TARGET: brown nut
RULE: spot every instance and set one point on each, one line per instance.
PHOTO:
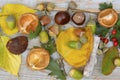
(17, 45)
(45, 20)
(62, 18)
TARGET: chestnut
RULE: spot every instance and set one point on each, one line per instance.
(17, 45)
(78, 18)
(62, 17)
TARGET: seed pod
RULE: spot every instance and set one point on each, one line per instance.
(38, 59)
(43, 37)
(11, 22)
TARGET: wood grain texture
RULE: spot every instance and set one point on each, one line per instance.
(86, 5)
(26, 74)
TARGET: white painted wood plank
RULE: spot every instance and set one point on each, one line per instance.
(27, 74)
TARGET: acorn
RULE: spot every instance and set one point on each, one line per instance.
(76, 74)
(43, 37)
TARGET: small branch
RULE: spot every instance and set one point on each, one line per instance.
(78, 9)
(88, 10)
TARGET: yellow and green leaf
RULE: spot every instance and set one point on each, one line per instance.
(8, 61)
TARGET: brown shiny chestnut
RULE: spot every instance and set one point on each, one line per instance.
(62, 17)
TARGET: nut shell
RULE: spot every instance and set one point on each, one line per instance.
(38, 58)
(27, 23)
(108, 18)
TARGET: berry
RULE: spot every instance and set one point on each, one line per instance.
(105, 40)
(115, 43)
(101, 37)
(114, 32)
(114, 39)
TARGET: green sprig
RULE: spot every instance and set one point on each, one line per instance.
(105, 5)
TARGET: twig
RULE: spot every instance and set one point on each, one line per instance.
(78, 9)
(88, 10)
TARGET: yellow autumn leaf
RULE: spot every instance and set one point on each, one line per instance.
(12, 9)
(75, 57)
(8, 61)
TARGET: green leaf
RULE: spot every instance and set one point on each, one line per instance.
(53, 65)
(118, 22)
(8, 61)
(107, 62)
(55, 70)
(36, 33)
(105, 5)
(100, 30)
(50, 46)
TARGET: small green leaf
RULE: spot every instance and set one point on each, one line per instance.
(105, 5)
(50, 46)
(36, 33)
(118, 22)
(55, 70)
(100, 30)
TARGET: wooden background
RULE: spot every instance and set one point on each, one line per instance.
(27, 74)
